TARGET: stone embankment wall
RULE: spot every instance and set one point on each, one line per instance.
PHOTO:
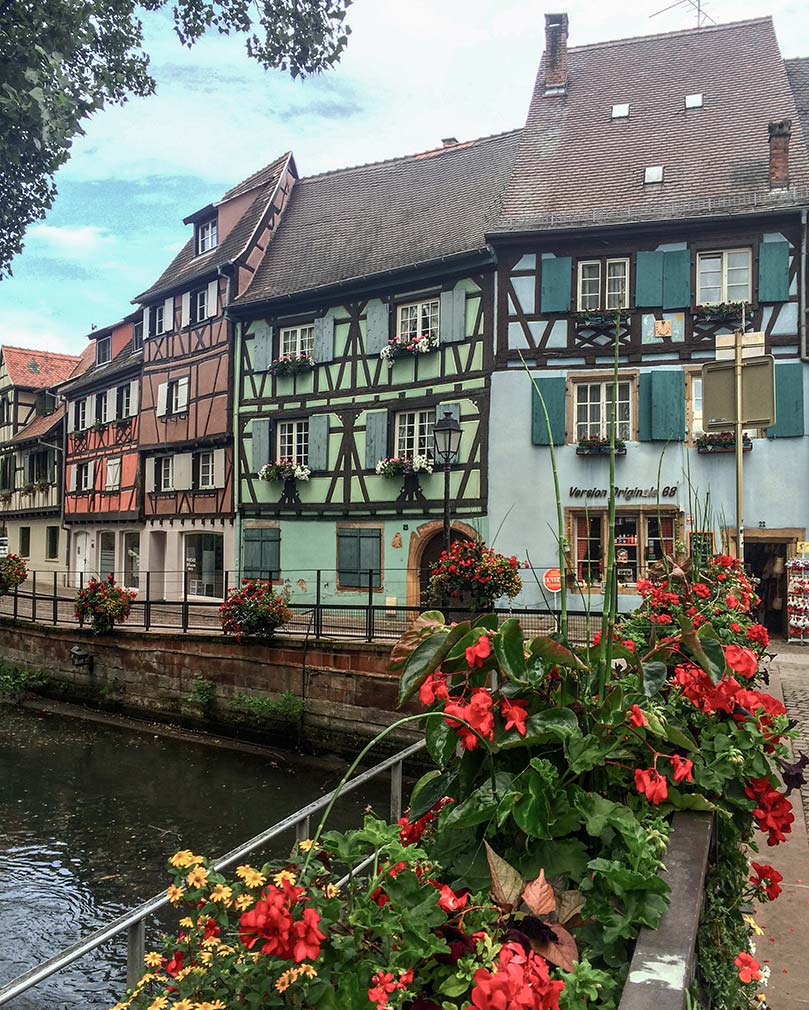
(348, 695)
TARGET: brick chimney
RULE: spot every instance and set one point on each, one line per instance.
(449, 141)
(779, 153)
(555, 53)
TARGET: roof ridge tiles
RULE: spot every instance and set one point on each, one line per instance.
(34, 350)
(671, 34)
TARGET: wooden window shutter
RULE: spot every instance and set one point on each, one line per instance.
(145, 321)
(773, 272)
(376, 437)
(370, 543)
(645, 407)
(376, 327)
(318, 454)
(789, 409)
(91, 472)
(261, 552)
(668, 405)
(70, 416)
(133, 398)
(262, 346)
(151, 475)
(162, 395)
(71, 477)
(556, 284)
(182, 393)
(553, 390)
(649, 279)
(323, 350)
(348, 556)
(676, 279)
(185, 309)
(452, 323)
(219, 468)
(183, 463)
(211, 299)
(168, 315)
(260, 430)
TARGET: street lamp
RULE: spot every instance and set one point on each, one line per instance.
(446, 443)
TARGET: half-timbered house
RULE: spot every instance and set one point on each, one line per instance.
(662, 182)
(30, 455)
(102, 486)
(367, 261)
(185, 423)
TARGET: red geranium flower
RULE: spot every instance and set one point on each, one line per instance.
(743, 661)
(766, 879)
(636, 717)
(478, 713)
(700, 589)
(651, 784)
(749, 968)
(682, 768)
(451, 901)
(758, 634)
(477, 653)
(515, 714)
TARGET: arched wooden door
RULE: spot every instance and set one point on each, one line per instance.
(429, 555)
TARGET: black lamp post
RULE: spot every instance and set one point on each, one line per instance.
(446, 443)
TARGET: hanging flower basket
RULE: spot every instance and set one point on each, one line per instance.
(399, 466)
(13, 572)
(284, 469)
(721, 441)
(595, 445)
(471, 571)
(102, 602)
(292, 364)
(254, 610)
(401, 347)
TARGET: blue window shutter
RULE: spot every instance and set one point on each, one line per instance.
(668, 405)
(453, 316)
(556, 284)
(553, 390)
(773, 272)
(676, 279)
(649, 279)
(261, 558)
(348, 557)
(262, 346)
(376, 327)
(789, 409)
(376, 437)
(370, 556)
(645, 407)
(358, 552)
(261, 443)
(324, 340)
(318, 456)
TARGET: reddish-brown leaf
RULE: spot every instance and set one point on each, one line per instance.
(562, 952)
(568, 905)
(506, 881)
(539, 896)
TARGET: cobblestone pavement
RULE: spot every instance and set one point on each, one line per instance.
(793, 667)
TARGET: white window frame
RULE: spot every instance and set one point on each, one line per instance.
(173, 400)
(137, 335)
(206, 460)
(636, 551)
(159, 322)
(413, 433)
(112, 474)
(103, 342)
(297, 339)
(623, 428)
(292, 441)
(103, 400)
(427, 311)
(723, 254)
(603, 299)
(80, 414)
(199, 305)
(207, 236)
(83, 476)
(165, 474)
(125, 400)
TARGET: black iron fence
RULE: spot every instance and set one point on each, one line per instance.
(47, 598)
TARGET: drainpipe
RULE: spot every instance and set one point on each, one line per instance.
(228, 275)
(802, 286)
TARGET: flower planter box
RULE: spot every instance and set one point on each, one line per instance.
(747, 446)
(598, 450)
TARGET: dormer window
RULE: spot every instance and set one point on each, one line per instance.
(103, 350)
(207, 236)
(137, 335)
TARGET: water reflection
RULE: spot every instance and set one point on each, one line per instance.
(88, 816)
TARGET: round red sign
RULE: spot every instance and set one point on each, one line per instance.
(552, 580)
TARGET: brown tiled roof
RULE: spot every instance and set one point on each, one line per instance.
(390, 215)
(575, 162)
(186, 267)
(126, 360)
(798, 74)
(37, 369)
(40, 426)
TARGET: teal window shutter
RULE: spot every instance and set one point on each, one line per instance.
(553, 390)
(318, 452)
(261, 553)
(358, 552)
(649, 279)
(556, 284)
(262, 346)
(645, 407)
(323, 349)
(676, 279)
(773, 272)
(260, 430)
(789, 409)
(668, 405)
(376, 327)
(376, 437)
(453, 316)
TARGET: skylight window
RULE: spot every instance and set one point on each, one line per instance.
(694, 101)
(654, 173)
(620, 111)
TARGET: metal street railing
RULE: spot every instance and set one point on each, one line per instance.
(134, 921)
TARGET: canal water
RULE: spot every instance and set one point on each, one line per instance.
(90, 812)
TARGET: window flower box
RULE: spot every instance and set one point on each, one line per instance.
(723, 312)
(29, 489)
(292, 364)
(598, 446)
(402, 466)
(284, 469)
(401, 347)
(601, 317)
(43, 485)
(721, 441)
(5, 497)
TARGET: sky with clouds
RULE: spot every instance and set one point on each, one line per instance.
(415, 71)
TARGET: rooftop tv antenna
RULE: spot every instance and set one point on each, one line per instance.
(696, 6)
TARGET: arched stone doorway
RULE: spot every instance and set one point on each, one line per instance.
(426, 544)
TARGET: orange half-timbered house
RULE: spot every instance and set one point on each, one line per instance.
(186, 407)
(101, 496)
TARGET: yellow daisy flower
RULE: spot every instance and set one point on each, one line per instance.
(159, 1004)
(283, 982)
(153, 959)
(185, 857)
(305, 844)
(250, 876)
(198, 877)
(187, 922)
(184, 1004)
(283, 875)
(308, 970)
(331, 890)
(751, 922)
(245, 901)
(221, 893)
(175, 894)
(216, 1005)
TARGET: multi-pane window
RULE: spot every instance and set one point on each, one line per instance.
(603, 284)
(177, 396)
(414, 433)
(164, 473)
(297, 340)
(80, 415)
(132, 560)
(106, 554)
(724, 276)
(112, 478)
(293, 441)
(156, 319)
(696, 405)
(204, 564)
(589, 548)
(103, 350)
(123, 401)
(593, 404)
(82, 476)
(39, 467)
(51, 543)
(199, 305)
(641, 540)
(137, 335)
(205, 461)
(207, 238)
(101, 408)
(418, 319)
(7, 473)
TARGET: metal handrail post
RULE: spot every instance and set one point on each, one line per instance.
(318, 608)
(184, 620)
(81, 588)
(396, 792)
(55, 605)
(135, 951)
(369, 620)
(302, 829)
(16, 601)
(147, 605)
(34, 596)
